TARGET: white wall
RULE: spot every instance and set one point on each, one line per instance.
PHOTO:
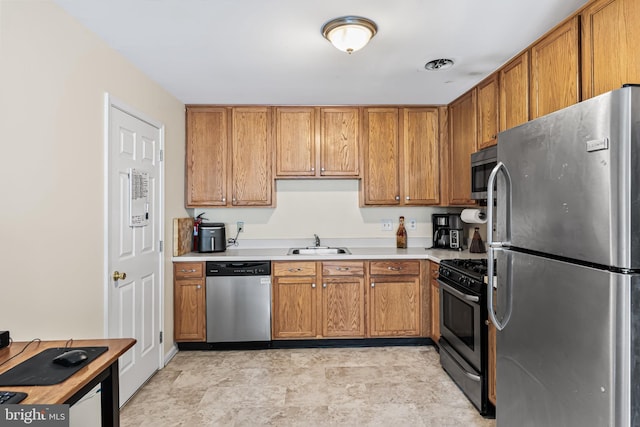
(53, 76)
(329, 208)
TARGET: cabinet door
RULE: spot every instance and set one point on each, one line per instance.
(381, 181)
(555, 78)
(488, 98)
(343, 307)
(295, 141)
(189, 302)
(462, 134)
(251, 157)
(339, 141)
(206, 156)
(514, 92)
(420, 156)
(294, 307)
(610, 40)
(394, 306)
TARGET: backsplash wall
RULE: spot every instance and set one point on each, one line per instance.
(328, 208)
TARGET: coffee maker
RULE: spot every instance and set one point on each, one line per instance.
(448, 231)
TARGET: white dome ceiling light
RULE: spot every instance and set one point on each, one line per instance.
(349, 33)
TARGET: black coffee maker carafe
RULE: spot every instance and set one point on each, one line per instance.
(447, 231)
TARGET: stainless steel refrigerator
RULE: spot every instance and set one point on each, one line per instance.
(567, 288)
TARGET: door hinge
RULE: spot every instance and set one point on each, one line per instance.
(160, 337)
(161, 155)
(161, 246)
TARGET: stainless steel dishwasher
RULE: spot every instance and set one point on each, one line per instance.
(238, 301)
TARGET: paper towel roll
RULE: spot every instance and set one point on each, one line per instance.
(473, 216)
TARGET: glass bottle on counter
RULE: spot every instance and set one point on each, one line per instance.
(401, 235)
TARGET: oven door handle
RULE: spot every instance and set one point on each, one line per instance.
(459, 294)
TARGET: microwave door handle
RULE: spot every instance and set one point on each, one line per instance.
(213, 244)
(497, 246)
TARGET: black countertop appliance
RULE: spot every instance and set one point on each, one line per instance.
(212, 237)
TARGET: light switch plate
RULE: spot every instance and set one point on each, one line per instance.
(387, 224)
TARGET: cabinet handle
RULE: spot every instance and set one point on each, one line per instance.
(408, 198)
(494, 136)
(321, 169)
(313, 285)
(324, 285)
(394, 268)
(343, 268)
(295, 270)
(313, 169)
(486, 322)
(198, 287)
(398, 198)
(193, 270)
(233, 199)
(373, 285)
(224, 199)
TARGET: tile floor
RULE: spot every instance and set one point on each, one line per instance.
(374, 386)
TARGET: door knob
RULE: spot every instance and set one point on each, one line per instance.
(119, 276)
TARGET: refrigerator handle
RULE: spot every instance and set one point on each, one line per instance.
(493, 246)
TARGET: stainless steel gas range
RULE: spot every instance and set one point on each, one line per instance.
(463, 328)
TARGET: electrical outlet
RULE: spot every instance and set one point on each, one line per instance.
(412, 224)
(240, 226)
(387, 225)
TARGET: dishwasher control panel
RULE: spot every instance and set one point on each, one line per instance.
(248, 268)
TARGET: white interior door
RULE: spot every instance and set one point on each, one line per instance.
(134, 235)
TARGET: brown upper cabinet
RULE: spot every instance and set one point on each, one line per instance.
(555, 70)
(514, 92)
(610, 40)
(314, 142)
(207, 156)
(400, 142)
(229, 153)
(488, 99)
(462, 142)
(420, 156)
(381, 157)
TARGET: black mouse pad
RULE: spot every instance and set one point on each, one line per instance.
(40, 369)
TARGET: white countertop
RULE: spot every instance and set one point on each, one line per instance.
(357, 253)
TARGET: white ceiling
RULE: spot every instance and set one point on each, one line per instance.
(272, 51)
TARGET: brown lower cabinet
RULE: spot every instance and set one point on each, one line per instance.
(334, 299)
(189, 302)
(394, 299)
(318, 300)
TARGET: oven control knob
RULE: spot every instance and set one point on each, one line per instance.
(446, 273)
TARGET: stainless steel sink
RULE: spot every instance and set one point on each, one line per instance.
(319, 250)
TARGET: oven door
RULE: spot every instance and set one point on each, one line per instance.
(460, 317)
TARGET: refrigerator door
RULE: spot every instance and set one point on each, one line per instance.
(565, 357)
(575, 181)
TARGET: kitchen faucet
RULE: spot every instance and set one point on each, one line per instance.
(317, 240)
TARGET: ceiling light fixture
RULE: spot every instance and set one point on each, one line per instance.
(349, 33)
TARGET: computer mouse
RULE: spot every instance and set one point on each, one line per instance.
(71, 358)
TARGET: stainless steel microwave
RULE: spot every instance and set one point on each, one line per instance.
(482, 163)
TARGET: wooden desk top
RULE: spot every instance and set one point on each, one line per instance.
(60, 393)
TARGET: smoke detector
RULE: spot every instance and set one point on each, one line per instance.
(438, 64)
